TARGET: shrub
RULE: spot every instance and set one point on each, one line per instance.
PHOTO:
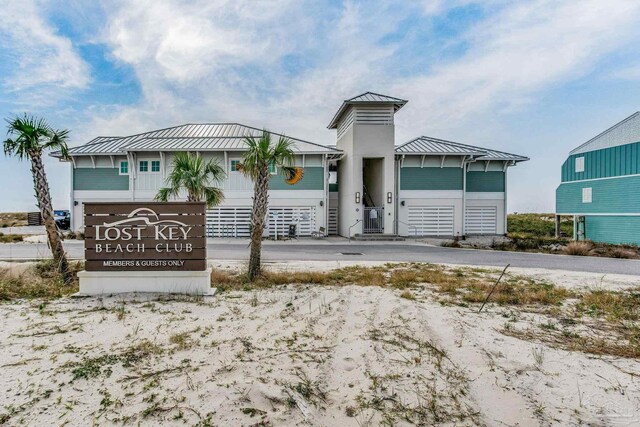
(450, 244)
(623, 253)
(581, 248)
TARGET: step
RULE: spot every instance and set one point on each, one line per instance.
(378, 238)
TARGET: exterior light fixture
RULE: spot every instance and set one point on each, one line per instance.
(357, 197)
(389, 197)
(402, 203)
(321, 203)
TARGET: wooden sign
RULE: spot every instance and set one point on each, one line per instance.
(145, 236)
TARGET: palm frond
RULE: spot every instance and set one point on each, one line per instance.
(32, 135)
(195, 175)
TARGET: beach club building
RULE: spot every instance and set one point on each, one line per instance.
(365, 184)
(600, 185)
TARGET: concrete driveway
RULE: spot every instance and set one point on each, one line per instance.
(336, 249)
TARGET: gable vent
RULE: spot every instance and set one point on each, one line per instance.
(346, 122)
(374, 115)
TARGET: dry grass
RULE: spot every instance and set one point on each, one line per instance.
(517, 291)
(623, 253)
(13, 219)
(598, 322)
(622, 343)
(39, 281)
(11, 238)
(579, 248)
(614, 306)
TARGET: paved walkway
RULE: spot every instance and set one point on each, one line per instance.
(336, 249)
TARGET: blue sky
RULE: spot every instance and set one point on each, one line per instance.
(534, 77)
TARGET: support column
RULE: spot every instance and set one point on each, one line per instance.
(557, 218)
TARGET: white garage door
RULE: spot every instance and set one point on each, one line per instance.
(236, 221)
(481, 220)
(431, 220)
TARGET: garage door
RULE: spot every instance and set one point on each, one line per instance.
(431, 220)
(236, 221)
(481, 220)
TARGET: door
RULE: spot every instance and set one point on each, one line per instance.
(431, 220)
(481, 220)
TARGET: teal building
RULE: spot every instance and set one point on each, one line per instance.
(600, 185)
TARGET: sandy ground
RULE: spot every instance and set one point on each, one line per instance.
(300, 355)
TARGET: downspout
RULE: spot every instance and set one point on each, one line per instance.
(506, 168)
(464, 195)
(465, 167)
(325, 168)
(396, 208)
(72, 199)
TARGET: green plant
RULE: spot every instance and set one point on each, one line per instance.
(192, 173)
(30, 137)
(257, 163)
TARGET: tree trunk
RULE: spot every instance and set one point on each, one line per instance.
(260, 205)
(46, 210)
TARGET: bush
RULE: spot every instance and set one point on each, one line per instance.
(450, 244)
(623, 253)
(582, 248)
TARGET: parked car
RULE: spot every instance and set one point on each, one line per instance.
(63, 219)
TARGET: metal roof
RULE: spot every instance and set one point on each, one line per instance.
(366, 98)
(625, 132)
(209, 136)
(433, 146)
(376, 97)
(236, 143)
(103, 145)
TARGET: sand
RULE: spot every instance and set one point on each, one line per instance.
(300, 355)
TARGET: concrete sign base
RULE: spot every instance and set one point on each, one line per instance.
(170, 282)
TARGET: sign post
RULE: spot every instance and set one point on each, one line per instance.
(145, 247)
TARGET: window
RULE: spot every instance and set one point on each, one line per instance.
(272, 168)
(124, 167)
(234, 165)
(587, 195)
(143, 166)
(579, 164)
(155, 166)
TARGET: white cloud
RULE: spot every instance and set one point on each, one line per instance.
(186, 41)
(41, 58)
(213, 61)
(524, 49)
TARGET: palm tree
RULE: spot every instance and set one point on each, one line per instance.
(260, 156)
(28, 138)
(195, 175)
